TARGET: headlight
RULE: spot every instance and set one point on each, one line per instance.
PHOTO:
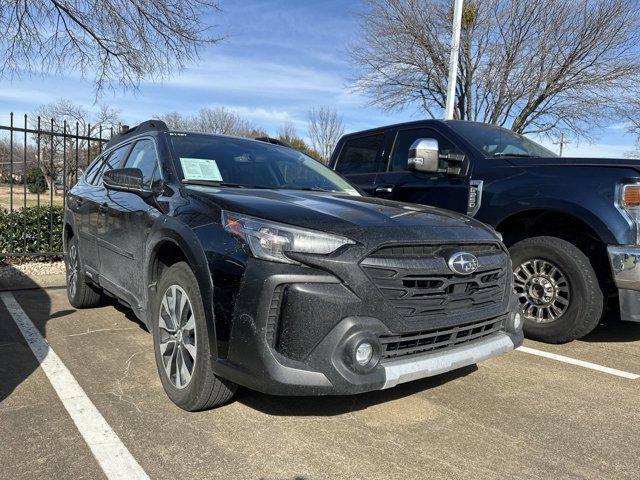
(272, 241)
(629, 202)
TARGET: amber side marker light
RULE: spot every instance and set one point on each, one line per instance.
(631, 196)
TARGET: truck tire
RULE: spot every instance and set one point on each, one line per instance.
(80, 293)
(181, 343)
(557, 289)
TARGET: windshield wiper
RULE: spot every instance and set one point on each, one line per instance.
(214, 183)
(519, 155)
(305, 189)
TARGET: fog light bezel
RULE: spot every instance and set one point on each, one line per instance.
(352, 347)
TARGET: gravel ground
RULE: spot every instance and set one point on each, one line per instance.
(32, 269)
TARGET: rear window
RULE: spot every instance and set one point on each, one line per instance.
(360, 155)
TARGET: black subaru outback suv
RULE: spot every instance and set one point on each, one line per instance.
(253, 264)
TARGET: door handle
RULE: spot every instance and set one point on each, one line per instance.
(383, 190)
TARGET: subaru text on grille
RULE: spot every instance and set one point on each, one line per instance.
(253, 264)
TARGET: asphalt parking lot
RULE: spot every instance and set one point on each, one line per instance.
(517, 416)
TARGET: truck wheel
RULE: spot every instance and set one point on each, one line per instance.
(557, 289)
(79, 292)
(181, 343)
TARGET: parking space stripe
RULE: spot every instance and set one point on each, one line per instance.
(114, 458)
(580, 363)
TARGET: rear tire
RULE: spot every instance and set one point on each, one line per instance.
(557, 288)
(181, 343)
(81, 294)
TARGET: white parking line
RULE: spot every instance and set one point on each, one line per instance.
(112, 456)
(580, 363)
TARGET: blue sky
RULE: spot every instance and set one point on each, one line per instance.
(279, 59)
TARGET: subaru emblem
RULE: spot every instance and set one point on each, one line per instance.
(463, 263)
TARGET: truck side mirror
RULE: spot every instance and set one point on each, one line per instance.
(424, 155)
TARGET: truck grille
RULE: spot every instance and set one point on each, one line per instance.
(418, 283)
(394, 346)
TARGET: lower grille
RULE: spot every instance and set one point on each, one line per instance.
(274, 315)
(394, 346)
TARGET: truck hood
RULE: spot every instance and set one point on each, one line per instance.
(576, 162)
(363, 219)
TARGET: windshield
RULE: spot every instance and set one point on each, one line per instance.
(236, 162)
(496, 141)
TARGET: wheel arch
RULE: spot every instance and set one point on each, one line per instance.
(172, 243)
(554, 223)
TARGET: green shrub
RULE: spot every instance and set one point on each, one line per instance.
(19, 230)
(36, 182)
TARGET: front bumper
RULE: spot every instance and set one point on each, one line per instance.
(325, 321)
(625, 268)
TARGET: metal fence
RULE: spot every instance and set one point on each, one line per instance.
(40, 160)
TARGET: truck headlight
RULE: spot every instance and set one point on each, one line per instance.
(629, 202)
(272, 241)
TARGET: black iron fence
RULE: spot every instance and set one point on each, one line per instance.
(40, 160)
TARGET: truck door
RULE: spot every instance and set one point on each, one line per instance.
(360, 160)
(437, 189)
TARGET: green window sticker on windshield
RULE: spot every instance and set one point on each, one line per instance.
(200, 169)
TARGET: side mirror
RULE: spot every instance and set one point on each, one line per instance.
(424, 156)
(124, 180)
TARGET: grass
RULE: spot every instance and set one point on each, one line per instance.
(18, 198)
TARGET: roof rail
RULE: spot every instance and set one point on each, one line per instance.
(273, 141)
(128, 132)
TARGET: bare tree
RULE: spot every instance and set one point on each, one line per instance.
(536, 66)
(119, 42)
(218, 120)
(65, 117)
(325, 129)
(289, 135)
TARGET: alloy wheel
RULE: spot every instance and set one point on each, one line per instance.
(72, 270)
(542, 290)
(178, 348)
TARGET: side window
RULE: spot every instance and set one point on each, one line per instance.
(143, 156)
(360, 155)
(405, 138)
(113, 160)
(93, 168)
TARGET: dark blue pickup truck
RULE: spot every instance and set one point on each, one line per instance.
(572, 224)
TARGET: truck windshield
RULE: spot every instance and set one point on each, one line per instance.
(203, 159)
(496, 141)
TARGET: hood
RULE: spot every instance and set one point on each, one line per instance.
(362, 219)
(576, 162)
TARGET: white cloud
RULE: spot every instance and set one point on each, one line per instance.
(256, 77)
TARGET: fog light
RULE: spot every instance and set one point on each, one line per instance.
(517, 321)
(364, 352)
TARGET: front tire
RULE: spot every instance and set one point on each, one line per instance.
(181, 343)
(557, 288)
(80, 293)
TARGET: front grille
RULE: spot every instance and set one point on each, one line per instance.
(394, 346)
(420, 251)
(416, 280)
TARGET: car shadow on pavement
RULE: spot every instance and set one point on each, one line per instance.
(17, 361)
(338, 405)
(126, 311)
(612, 329)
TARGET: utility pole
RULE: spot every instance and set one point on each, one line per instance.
(453, 61)
(562, 142)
